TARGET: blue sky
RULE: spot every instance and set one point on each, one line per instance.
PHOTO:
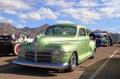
(94, 14)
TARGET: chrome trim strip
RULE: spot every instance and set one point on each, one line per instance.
(42, 65)
(70, 40)
(35, 57)
(31, 50)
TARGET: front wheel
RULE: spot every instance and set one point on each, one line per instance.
(72, 63)
(15, 49)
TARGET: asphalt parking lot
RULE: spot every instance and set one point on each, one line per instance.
(105, 65)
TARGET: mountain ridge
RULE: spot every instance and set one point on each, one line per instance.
(10, 29)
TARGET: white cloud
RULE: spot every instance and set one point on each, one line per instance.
(64, 21)
(20, 26)
(22, 21)
(34, 16)
(111, 3)
(111, 8)
(3, 19)
(48, 13)
(29, 16)
(59, 3)
(9, 21)
(14, 4)
(89, 11)
(87, 3)
(107, 12)
(82, 14)
(86, 11)
(40, 14)
(22, 15)
(10, 12)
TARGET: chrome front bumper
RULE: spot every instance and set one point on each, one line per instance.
(42, 65)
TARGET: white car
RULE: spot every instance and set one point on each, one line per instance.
(28, 39)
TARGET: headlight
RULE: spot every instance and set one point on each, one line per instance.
(58, 51)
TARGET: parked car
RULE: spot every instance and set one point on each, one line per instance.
(63, 46)
(107, 39)
(116, 38)
(119, 38)
(97, 38)
(7, 46)
(28, 40)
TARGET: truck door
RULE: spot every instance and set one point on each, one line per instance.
(83, 43)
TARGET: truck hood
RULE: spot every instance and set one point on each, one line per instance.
(54, 39)
(50, 42)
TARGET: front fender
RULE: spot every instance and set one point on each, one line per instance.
(66, 51)
(69, 48)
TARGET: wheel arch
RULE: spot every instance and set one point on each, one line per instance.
(92, 46)
(15, 48)
(76, 56)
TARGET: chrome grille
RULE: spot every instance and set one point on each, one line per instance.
(39, 56)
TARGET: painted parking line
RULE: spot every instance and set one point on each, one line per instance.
(102, 66)
(7, 67)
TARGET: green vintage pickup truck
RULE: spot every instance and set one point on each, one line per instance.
(63, 46)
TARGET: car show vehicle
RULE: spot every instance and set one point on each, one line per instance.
(102, 39)
(119, 38)
(107, 39)
(116, 38)
(63, 46)
(7, 46)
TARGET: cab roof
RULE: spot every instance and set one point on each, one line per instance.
(67, 24)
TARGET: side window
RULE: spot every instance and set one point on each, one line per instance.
(49, 31)
(82, 32)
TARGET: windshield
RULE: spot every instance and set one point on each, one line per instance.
(61, 30)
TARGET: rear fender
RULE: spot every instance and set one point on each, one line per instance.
(92, 45)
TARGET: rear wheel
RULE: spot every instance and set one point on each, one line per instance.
(15, 49)
(72, 63)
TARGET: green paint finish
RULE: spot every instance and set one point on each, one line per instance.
(59, 42)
